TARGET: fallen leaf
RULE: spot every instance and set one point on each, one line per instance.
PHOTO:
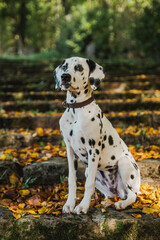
(136, 215)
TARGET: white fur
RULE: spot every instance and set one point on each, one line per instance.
(91, 137)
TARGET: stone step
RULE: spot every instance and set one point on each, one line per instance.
(19, 140)
(106, 105)
(44, 85)
(20, 77)
(52, 95)
(47, 121)
(94, 226)
(48, 172)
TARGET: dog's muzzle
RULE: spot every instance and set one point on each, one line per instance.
(66, 79)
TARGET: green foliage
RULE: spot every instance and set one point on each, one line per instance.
(62, 28)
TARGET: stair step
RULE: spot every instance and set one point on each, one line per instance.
(106, 105)
(95, 226)
(33, 121)
(19, 140)
(48, 172)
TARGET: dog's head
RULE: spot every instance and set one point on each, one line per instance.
(77, 74)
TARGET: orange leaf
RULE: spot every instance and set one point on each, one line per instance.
(13, 179)
(5, 202)
(136, 215)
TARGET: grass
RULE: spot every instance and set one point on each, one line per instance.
(50, 55)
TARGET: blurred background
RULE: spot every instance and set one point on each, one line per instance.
(117, 30)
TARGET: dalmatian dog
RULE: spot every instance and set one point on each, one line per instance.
(90, 136)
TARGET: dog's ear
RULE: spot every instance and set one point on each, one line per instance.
(96, 74)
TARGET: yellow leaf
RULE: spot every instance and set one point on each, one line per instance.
(21, 205)
(136, 215)
(34, 155)
(13, 179)
(43, 210)
(104, 210)
(31, 211)
(57, 213)
(39, 131)
(24, 192)
(92, 203)
(9, 150)
(17, 215)
(148, 210)
(36, 216)
(3, 157)
(98, 206)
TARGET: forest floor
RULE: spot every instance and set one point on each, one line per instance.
(33, 160)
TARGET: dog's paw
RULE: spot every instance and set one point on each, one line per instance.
(81, 208)
(120, 205)
(68, 207)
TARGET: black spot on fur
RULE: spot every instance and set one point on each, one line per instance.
(86, 91)
(86, 86)
(83, 140)
(99, 165)
(74, 79)
(61, 64)
(105, 137)
(91, 142)
(99, 116)
(92, 119)
(83, 155)
(74, 95)
(91, 65)
(97, 151)
(102, 173)
(71, 133)
(97, 82)
(75, 164)
(113, 157)
(135, 165)
(132, 176)
(99, 143)
(130, 187)
(78, 68)
(91, 80)
(90, 151)
(110, 140)
(103, 146)
(93, 160)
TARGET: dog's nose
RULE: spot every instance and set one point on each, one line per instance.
(66, 77)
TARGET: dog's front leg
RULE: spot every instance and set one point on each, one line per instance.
(89, 186)
(72, 165)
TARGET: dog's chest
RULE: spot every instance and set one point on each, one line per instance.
(73, 134)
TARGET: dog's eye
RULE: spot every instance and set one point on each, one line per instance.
(78, 68)
(64, 67)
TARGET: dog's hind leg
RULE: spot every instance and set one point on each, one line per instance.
(129, 175)
(101, 184)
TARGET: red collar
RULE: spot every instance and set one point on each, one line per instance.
(79, 104)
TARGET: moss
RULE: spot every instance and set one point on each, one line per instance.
(121, 231)
(66, 231)
(27, 231)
